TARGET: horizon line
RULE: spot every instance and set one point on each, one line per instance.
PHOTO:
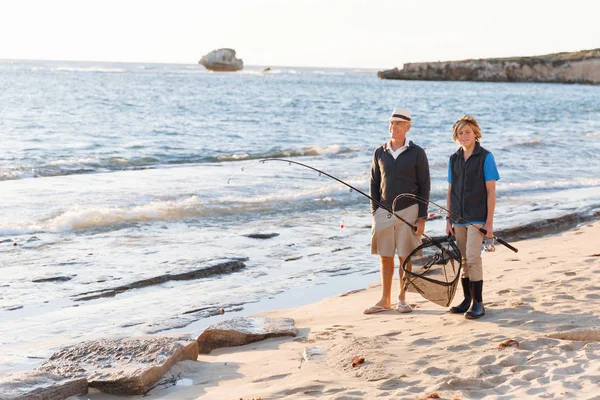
(180, 63)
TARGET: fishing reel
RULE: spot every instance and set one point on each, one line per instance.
(488, 245)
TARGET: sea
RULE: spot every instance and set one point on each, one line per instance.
(113, 174)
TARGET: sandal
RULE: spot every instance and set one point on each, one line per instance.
(376, 309)
(403, 307)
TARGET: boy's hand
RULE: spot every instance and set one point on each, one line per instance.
(489, 227)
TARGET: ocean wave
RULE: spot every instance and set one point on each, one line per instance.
(99, 217)
(542, 185)
(325, 195)
(306, 151)
(88, 165)
(529, 143)
(89, 69)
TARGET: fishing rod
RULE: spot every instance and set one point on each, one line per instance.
(379, 204)
(448, 212)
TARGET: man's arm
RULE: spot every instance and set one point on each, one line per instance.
(375, 188)
(424, 182)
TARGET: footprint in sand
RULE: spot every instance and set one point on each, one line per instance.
(486, 360)
(564, 297)
(504, 291)
(568, 370)
(434, 371)
(512, 360)
(537, 391)
(310, 389)
(270, 378)
(460, 347)
(390, 384)
(423, 342)
(478, 342)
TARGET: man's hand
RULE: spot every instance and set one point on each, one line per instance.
(449, 228)
(420, 225)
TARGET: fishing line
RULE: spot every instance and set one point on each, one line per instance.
(352, 188)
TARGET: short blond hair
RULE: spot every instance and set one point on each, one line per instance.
(466, 120)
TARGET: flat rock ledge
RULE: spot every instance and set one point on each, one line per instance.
(36, 385)
(240, 331)
(122, 366)
(579, 335)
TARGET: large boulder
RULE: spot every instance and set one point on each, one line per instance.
(36, 385)
(222, 60)
(122, 366)
(240, 331)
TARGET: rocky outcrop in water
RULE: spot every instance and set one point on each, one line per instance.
(240, 331)
(204, 272)
(576, 67)
(222, 60)
(35, 385)
(126, 366)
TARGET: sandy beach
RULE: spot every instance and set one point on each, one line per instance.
(550, 285)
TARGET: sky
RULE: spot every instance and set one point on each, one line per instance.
(377, 34)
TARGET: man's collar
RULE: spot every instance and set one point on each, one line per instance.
(387, 146)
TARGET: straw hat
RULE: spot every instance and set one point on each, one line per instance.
(400, 114)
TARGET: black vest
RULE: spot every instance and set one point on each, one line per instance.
(468, 198)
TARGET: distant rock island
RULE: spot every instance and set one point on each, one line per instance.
(222, 60)
(575, 67)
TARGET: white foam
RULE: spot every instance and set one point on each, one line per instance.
(89, 69)
(96, 217)
(554, 184)
(105, 216)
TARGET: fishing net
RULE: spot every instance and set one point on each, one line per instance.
(435, 273)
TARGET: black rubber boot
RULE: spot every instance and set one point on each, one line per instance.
(476, 309)
(466, 303)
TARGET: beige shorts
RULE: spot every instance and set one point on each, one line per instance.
(391, 235)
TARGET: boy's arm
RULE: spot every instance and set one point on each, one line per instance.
(491, 207)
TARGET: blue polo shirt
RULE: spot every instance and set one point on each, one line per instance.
(490, 173)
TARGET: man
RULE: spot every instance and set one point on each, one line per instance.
(398, 167)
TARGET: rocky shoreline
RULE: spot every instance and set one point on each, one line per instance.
(572, 67)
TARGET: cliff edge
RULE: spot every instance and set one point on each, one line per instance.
(574, 67)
